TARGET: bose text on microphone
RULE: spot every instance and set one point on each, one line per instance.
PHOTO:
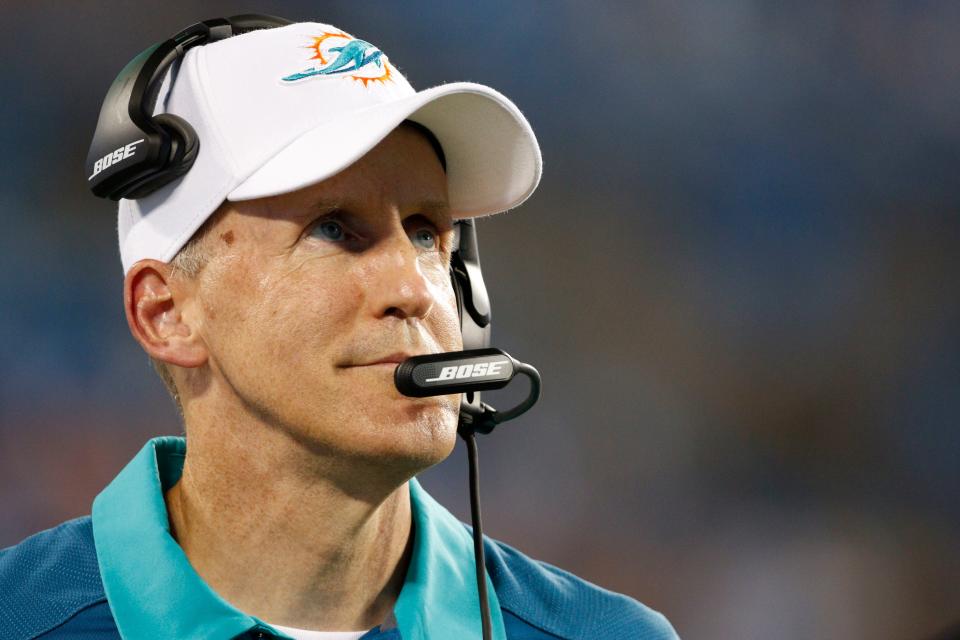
(458, 371)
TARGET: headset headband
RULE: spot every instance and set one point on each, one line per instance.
(133, 152)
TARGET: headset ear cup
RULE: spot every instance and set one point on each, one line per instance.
(184, 144)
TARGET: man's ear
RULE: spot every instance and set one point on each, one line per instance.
(155, 316)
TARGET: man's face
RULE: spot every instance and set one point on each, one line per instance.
(303, 288)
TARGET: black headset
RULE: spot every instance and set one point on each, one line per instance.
(134, 153)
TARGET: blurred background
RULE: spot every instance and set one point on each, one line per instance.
(738, 279)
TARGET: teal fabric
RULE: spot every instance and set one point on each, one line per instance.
(440, 591)
(154, 592)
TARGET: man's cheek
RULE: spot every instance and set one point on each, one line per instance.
(447, 316)
(440, 285)
(297, 331)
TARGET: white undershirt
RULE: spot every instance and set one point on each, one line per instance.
(306, 634)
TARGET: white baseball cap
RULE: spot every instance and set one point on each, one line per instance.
(279, 109)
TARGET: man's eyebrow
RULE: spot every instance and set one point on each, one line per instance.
(323, 206)
(433, 205)
(435, 208)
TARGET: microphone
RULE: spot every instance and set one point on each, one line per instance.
(468, 371)
(440, 373)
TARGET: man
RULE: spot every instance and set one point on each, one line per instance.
(276, 284)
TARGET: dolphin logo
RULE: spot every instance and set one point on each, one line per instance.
(352, 57)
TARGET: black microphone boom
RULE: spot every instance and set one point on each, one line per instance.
(469, 372)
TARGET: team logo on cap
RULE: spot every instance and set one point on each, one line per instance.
(340, 55)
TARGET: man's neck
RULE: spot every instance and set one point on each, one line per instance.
(266, 530)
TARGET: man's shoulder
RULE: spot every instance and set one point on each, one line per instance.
(51, 580)
(564, 605)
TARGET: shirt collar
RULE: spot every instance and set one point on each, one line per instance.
(154, 592)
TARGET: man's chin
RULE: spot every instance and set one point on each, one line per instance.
(376, 470)
(424, 439)
(413, 437)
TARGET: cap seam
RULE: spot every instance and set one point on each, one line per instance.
(123, 212)
(201, 87)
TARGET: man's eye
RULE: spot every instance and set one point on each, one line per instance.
(427, 237)
(329, 229)
(332, 230)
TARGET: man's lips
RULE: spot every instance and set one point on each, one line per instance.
(391, 360)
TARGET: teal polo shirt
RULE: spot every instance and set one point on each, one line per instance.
(154, 592)
(119, 575)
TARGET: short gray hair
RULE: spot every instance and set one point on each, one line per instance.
(187, 264)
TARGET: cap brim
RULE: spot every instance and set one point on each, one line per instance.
(493, 159)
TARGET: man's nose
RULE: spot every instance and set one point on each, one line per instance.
(403, 290)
